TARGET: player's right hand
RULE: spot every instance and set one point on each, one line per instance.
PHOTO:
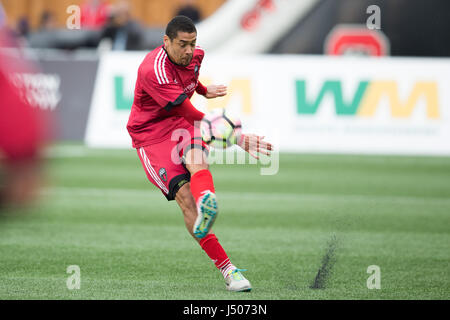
(255, 144)
(214, 91)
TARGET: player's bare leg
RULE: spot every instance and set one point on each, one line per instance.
(187, 204)
(202, 189)
(198, 167)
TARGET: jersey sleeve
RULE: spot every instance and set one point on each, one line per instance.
(162, 87)
(200, 53)
(201, 89)
(188, 111)
(20, 125)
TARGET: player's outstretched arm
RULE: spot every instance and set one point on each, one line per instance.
(188, 111)
(254, 144)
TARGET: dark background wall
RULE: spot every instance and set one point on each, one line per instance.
(414, 27)
(77, 86)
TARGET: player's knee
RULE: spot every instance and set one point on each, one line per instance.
(196, 160)
(196, 167)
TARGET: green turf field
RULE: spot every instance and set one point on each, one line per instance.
(99, 212)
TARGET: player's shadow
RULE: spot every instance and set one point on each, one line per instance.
(324, 273)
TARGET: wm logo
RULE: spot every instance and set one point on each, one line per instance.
(367, 96)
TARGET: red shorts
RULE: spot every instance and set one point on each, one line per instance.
(163, 162)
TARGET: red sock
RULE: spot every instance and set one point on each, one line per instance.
(201, 181)
(210, 244)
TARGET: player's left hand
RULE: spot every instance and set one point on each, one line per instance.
(254, 144)
(214, 91)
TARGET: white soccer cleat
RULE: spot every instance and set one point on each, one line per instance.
(235, 281)
(207, 212)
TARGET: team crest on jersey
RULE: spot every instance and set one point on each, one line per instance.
(196, 68)
(163, 174)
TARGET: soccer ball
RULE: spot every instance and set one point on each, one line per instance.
(219, 129)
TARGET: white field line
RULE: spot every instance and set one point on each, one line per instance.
(259, 196)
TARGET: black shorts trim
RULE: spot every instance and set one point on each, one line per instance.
(177, 102)
(176, 183)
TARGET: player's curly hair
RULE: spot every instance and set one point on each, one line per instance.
(179, 23)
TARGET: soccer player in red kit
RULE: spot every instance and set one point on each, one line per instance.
(167, 79)
(21, 134)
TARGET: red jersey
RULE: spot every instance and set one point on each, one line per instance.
(94, 16)
(160, 86)
(21, 127)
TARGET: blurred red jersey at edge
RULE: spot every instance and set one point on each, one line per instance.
(22, 133)
(94, 14)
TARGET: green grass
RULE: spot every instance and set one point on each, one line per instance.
(99, 212)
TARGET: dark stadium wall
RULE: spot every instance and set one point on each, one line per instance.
(413, 27)
(73, 81)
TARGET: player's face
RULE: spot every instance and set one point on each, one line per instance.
(181, 49)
